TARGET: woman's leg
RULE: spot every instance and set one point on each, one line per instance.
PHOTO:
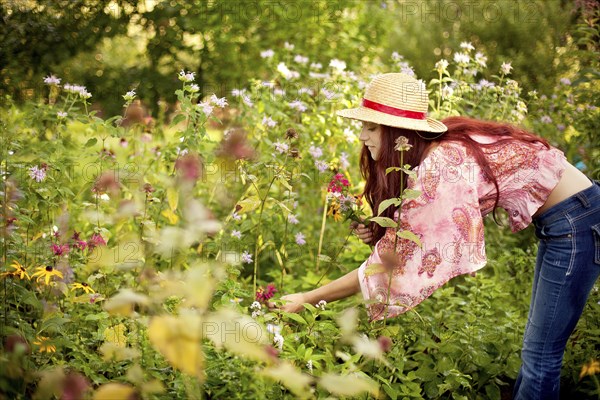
(566, 271)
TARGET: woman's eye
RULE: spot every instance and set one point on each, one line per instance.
(371, 129)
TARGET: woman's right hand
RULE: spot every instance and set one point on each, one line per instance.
(292, 303)
(363, 232)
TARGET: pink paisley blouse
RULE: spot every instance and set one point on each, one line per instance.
(447, 218)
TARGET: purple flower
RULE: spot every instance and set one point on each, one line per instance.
(565, 81)
(546, 119)
(281, 147)
(298, 105)
(96, 240)
(300, 240)
(292, 219)
(316, 152)
(236, 216)
(246, 257)
(37, 174)
(236, 233)
(266, 294)
(60, 249)
(321, 165)
(268, 121)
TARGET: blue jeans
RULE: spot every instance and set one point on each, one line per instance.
(567, 266)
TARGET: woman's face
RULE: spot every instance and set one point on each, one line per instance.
(371, 136)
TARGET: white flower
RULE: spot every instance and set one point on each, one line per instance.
(236, 216)
(441, 66)
(61, 114)
(321, 305)
(274, 329)
(292, 219)
(129, 96)
(37, 174)
(328, 94)
(247, 100)
(206, 107)
(288, 46)
(546, 119)
(349, 135)
(480, 59)
(407, 69)
(338, 65)
(278, 341)
(309, 365)
(316, 152)
(279, 92)
(236, 233)
(219, 102)
(316, 66)
(284, 70)
(268, 121)
(505, 68)
(281, 147)
(300, 59)
(305, 90)
(256, 306)
(344, 163)
(268, 84)
(317, 75)
(461, 58)
(321, 165)
(246, 257)
(298, 105)
(467, 46)
(300, 239)
(256, 314)
(565, 81)
(397, 57)
(186, 76)
(267, 53)
(194, 88)
(52, 80)
(238, 92)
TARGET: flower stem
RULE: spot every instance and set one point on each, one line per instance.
(321, 234)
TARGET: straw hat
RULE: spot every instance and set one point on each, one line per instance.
(395, 99)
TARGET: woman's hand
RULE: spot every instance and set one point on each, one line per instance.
(292, 303)
(363, 232)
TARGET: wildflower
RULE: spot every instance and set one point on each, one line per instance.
(292, 219)
(480, 59)
(284, 70)
(591, 368)
(247, 100)
(263, 295)
(255, 306)
(235, 300)
(46, 273)
(279, 92)
(268, 121)
(349, 135)
(206, 107)
(298, 105)
(467, 46)
(291, 134)
(344, 163)
(219, 102)
(397, 57)
(267, 53)
(37, 174)
(447, 92)
(44, 344)
(189, 167)
(441, 66)
(129, 96)
(236, 216)
(96, 240)
(321, 305)
(19, 270)
(60, 250)
(237, 234)
(278, 341)
(80, 244)
(408, 70)
(316, 66)
(505, 68)
(288, 46)
(334, 211)
(281, 147)
(61, 114)
(321, 165)
(194, 88)
(385, 343)
(106, 182)
(300, 239)
(461, 58)
(316, 152)
(87, 288)
(186, 76)
(565, 81)
(338, 183)
(546, 119)
(246, 257)
(52, 80)
(274, 329)
(338, 65)
(402, 144)
(309, 365)
(300, 59)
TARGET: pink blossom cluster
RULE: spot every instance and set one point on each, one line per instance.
(266, 294)
(338, 183)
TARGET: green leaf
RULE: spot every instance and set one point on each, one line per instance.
(295, 317)
(91, 142)
(492, 391)
(386, 203)
(390, 169)
(179, 118)
(385, 222)
(410, 194)
(410, 236)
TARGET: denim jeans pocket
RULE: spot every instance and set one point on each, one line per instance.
(561, 229)
(596, 233)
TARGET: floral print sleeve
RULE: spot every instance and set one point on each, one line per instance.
(447, 219)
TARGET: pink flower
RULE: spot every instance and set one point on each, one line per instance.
(60, 249)
(266, 294)
(338, 183)
(96, 240)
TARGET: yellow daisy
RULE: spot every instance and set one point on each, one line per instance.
(44, 344)
(591, 368)
(87, 288)
(19, 271)
(46, 273)
(334, 211)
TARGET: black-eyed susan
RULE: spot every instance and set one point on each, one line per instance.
(87, 288)
(19, 271)
(45, 344)
(46, 273)
(591, 368)
(334, 211)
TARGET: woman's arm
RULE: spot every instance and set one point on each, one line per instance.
(342, 287)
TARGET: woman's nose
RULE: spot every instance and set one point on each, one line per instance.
(363, 135)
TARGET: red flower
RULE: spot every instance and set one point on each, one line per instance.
(60, 249)
(338, 183)
(96, 240)
(266, 294)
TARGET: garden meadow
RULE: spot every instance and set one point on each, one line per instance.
(139, 252)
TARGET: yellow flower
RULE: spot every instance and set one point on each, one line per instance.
(591, 368)
(87, 288)
(334, 211)
(19, 271)
(46, 273)
(44, 343)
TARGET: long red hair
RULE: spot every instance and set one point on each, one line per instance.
(380, 186)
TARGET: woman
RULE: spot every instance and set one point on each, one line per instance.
(465, 169)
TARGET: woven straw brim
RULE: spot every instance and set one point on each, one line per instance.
(367, 114)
